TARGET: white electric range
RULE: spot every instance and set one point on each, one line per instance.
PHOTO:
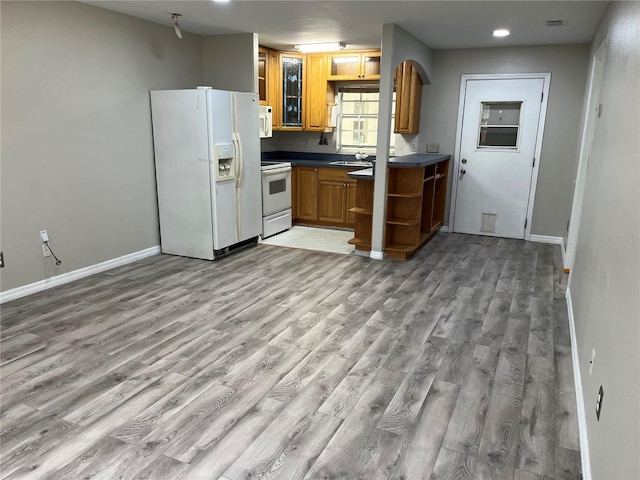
(276, 197)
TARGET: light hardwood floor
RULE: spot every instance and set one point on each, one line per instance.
(291, 364)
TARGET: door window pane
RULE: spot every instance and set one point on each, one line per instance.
(499, 124)
(498, 137)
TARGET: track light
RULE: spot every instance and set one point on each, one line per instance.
(176, 27)
(320, 47)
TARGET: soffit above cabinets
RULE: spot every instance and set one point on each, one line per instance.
(439, 24)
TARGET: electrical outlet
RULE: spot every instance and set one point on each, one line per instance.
(45, 251)
(1, 259)
(592, 361)
(44, 236)
(599, 402)
(413, 146)
(433, 147)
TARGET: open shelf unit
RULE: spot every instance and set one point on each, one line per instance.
(363, 212)
(416, 199)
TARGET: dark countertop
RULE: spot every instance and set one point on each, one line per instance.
(416, 160)
(303, 159)
(319, 163)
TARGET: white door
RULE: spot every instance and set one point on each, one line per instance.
(497, 148)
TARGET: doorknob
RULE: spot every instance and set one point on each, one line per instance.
(463, 171)
(464, 160)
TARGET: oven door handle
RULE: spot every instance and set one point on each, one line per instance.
(276, 171)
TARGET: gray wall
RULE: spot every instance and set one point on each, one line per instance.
(230, 62)
(397, 46)
(568, 66)
(77, 150)
(605, 279)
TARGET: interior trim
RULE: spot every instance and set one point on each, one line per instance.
(546, 77)
(582, 418)
(68, 277)
(554, 240)
(546, 239)
(376, 255)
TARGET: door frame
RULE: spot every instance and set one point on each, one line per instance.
(546, 77)
(588, 132)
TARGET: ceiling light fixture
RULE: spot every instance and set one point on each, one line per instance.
(501, 32)
(320, 47)
(176, 27)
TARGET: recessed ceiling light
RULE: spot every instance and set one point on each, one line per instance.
(501, 32)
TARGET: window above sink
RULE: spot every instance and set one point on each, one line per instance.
(358, 106)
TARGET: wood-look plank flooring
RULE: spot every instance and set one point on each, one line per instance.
(292, 364)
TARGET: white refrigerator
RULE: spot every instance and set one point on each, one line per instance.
(207, 157)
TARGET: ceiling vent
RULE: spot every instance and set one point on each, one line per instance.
(556, 23)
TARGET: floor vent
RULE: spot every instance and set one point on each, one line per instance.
(488, 223)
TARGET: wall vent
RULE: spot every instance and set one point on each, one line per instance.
(488, 223)
(556, 23)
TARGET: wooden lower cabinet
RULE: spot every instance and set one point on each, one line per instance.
(306, 205)
(332, 198)
(324, 196)
(415, 208)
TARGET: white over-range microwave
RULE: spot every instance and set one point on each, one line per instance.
(265, 121)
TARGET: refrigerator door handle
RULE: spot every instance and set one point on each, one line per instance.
(237, 146)
(239, 158)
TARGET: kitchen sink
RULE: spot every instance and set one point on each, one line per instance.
(353, 163)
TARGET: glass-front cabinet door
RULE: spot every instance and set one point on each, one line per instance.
(344, 66)
(371, 66)
(354, 66)
(292, 67)
(262, 76)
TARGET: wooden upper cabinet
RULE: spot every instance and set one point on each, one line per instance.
(292, 91)
(316, 94)
(408, 99)
(263, 72)
(355, 65)
(267, 76)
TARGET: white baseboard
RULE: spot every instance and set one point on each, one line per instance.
(545, 239)
(76, 274)
(582, 418)
(376, 255)
(548, 239)
(444, 228)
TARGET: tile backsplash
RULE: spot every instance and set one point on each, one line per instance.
(406, 144)
(309, 142)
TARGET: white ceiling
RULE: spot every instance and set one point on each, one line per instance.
(439, 24)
